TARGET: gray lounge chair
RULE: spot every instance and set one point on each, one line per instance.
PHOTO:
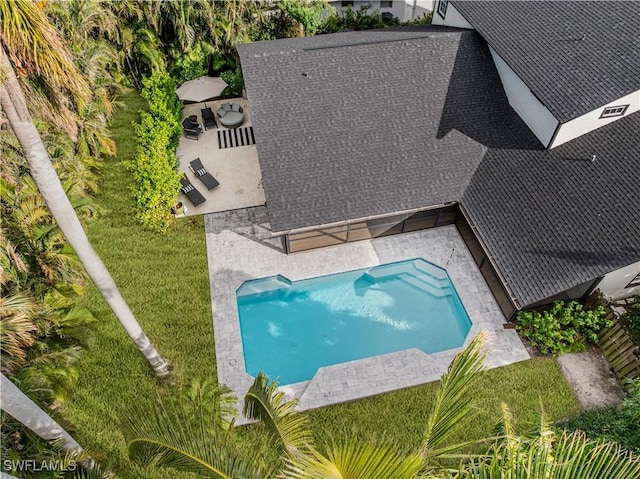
(190, 191)
(198, 169)
(208, 118)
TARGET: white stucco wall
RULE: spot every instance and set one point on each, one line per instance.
(591, 121)
(453, 17)
(613, 285)
(416, 8)
(537, 117)
(404, 10)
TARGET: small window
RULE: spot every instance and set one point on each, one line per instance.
(347, 3)
(612, 111)
(442, 8)
(634, 282)
(386, 4)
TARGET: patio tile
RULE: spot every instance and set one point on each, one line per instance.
(236, 256)
(237, 169)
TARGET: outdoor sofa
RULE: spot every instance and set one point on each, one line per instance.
(230, 115)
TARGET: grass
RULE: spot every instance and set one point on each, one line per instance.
(165, 281)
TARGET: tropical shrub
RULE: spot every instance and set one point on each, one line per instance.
(619, 424)
(42, 329)
(192, 64)
(351, 19)
(154, 168)
(424, 19)
(234, 81)
(631, 319)
(564, 328)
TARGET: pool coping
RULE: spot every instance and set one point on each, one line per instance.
(234, 259)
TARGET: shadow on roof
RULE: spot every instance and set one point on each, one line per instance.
(476, 104)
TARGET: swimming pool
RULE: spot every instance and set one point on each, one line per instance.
(290, 329)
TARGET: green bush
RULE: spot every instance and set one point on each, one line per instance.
(154, 168)
(192, 64)
(234, 81)
(613, 423)
(631, 319)
(565, 328)
(351, 19)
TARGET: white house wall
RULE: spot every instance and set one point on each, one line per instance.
(591, 121)
(537, 117)
(453, 18)
(416, 9)
(404, 10)
(613, 285)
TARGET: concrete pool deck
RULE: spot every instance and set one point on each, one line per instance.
(236, 256)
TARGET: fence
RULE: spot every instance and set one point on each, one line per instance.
(617, 346)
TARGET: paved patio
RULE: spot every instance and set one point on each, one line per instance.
(238, 251)
(237, 169)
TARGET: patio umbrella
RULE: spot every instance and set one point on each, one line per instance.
(201, 89)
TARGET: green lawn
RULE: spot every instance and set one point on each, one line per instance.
(165, 281)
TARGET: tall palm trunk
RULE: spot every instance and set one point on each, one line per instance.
(15, 403)
(15, 107)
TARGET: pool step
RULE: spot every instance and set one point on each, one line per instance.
(435, 276)
(263, 285)
(427, 287)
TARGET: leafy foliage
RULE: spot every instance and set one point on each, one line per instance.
(234, 81)
(42, 329)
(192, 64)
(154, 167)
(564, 328)
(631, 319)
(350, 19)
(288, 19)
(424, 19)
(200, 443)
(264, 403)
(619, 424)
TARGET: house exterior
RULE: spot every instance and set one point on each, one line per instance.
(403, 10)
(559, 76)
(368, 134)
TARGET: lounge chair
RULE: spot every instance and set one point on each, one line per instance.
(208, 119)
(190, 191)
(198, 169)
(191, 130)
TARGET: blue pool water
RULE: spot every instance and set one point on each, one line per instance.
(290, 329)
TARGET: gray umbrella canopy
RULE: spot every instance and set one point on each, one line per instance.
(201, 89)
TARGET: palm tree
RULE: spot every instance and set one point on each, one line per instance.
(197, 440)
(19, 406)
(32, 42)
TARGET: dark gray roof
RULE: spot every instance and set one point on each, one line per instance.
(553, 219)
(575, 56)
(359, 124)
(387, 121)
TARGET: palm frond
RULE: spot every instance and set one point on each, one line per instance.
(36, 48)
(567, 456)
(169, 436)
(452, 406)
(264, 403)
(353, 461)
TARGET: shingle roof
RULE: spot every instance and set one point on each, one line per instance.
(575, 56)
(359, 124)
(388, 121)
(553, 219)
